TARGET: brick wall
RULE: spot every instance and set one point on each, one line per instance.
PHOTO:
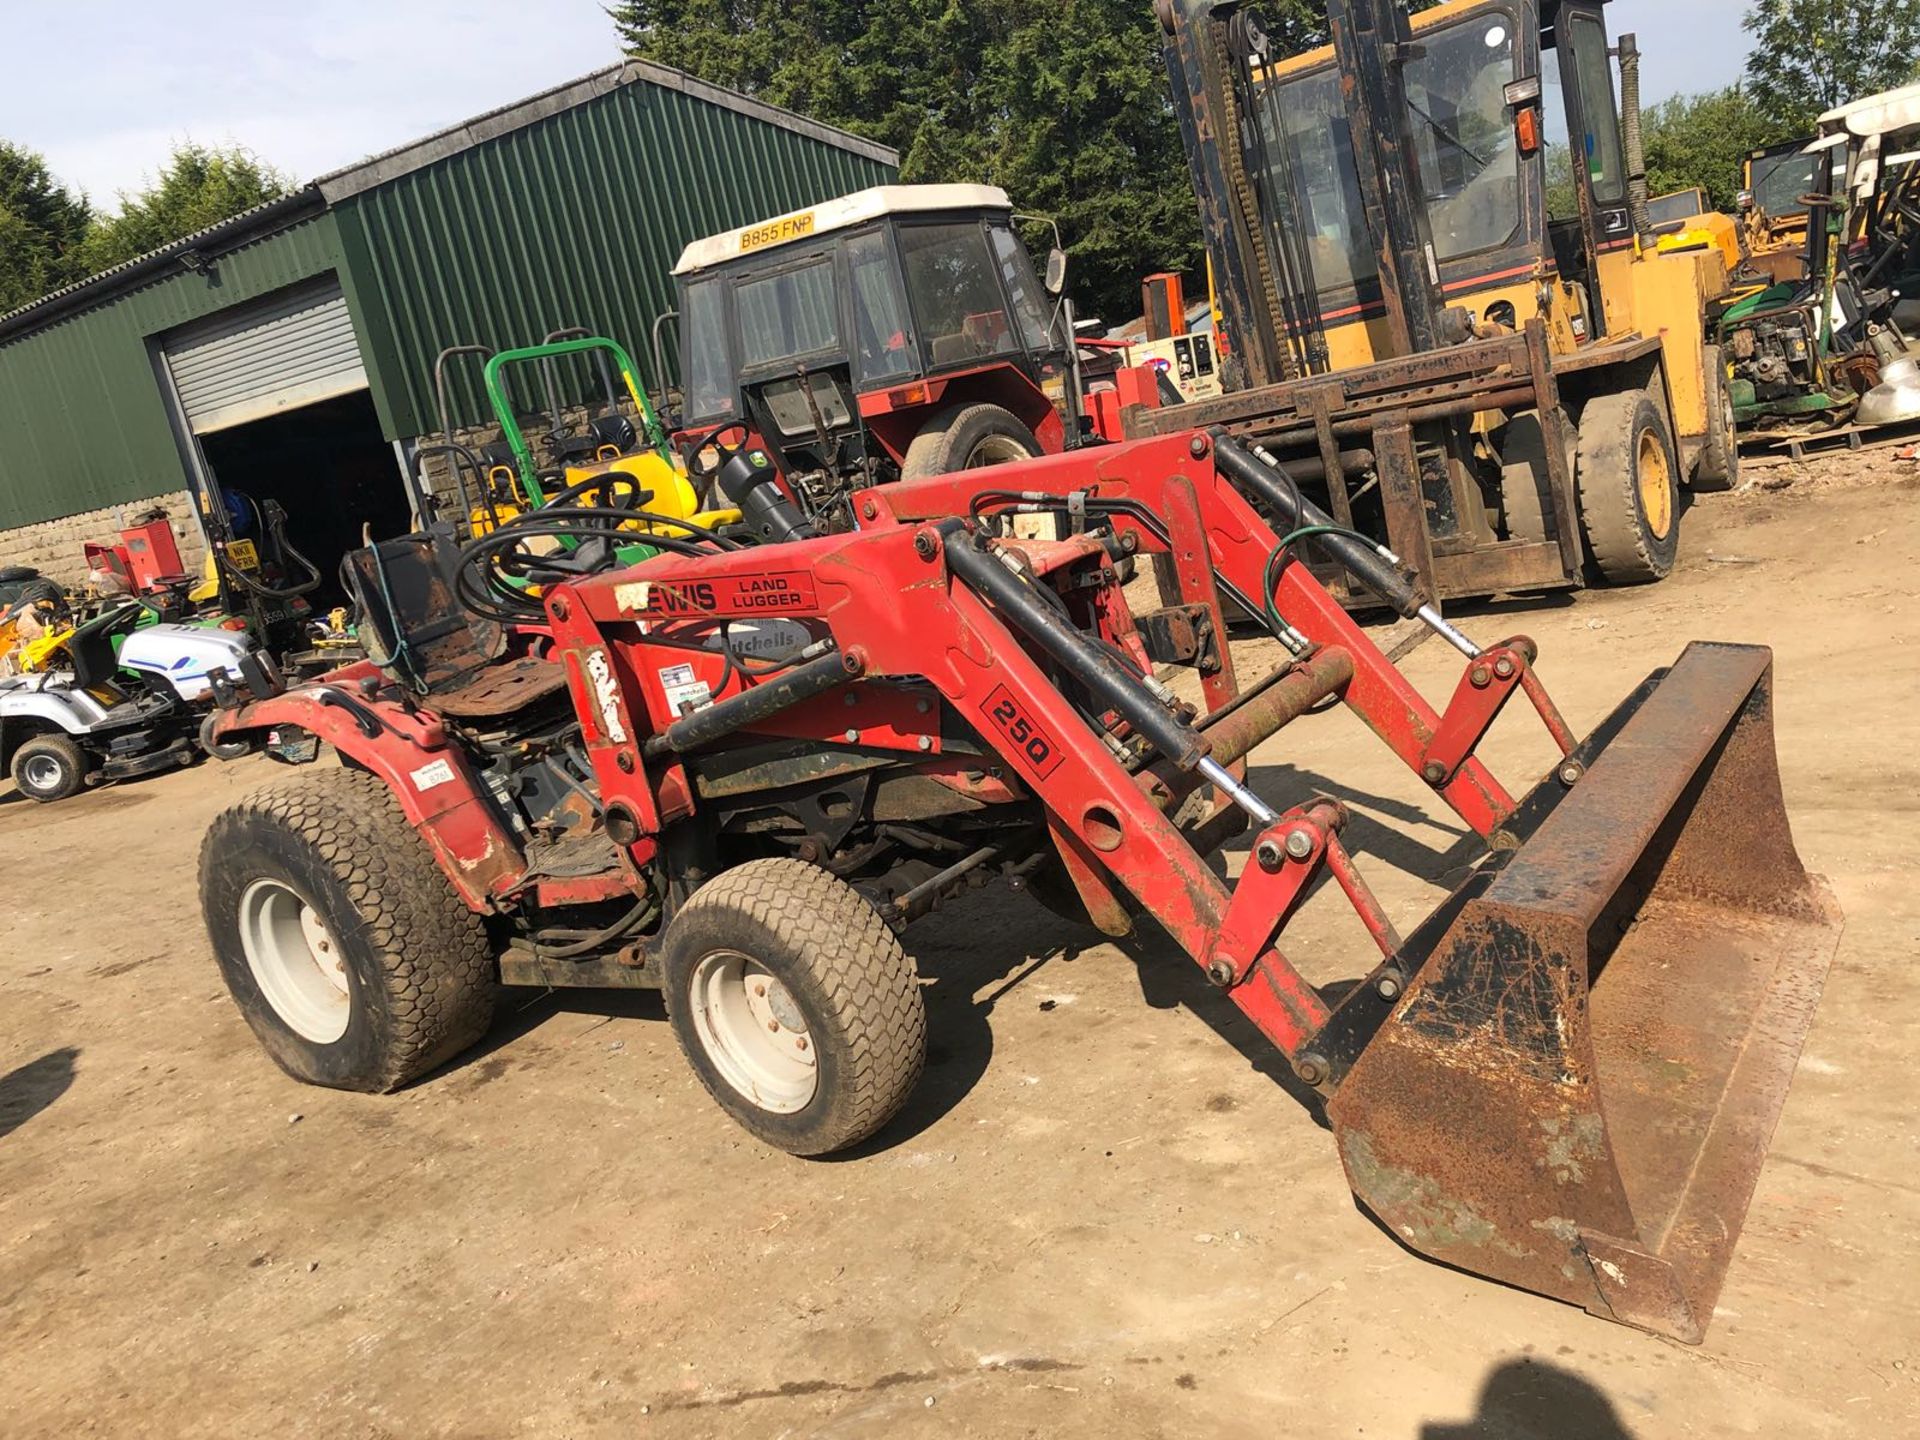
(53, 547)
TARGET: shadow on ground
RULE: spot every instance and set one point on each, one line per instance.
(31, 1088)
(1530, 1400)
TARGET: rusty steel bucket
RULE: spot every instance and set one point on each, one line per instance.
(1577, 1088)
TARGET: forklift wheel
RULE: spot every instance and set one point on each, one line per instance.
(795, 1005)
(49, 768)
(1718, 464)
(966, 438)
(1526, 488)
(346, 950)
(1628, 484)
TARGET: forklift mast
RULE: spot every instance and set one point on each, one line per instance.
(1227, 95)
(1372, 43)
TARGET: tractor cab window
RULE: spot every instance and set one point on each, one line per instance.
(955, 294)
(1598, 144)
(1320, 147)
(882, 331)
(1462, 139)
(706, 364)
(1016, 269)
(787, 314)
(1556, 147)
(1463, 134)
(1779, 182)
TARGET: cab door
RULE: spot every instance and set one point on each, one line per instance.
(1577, 31)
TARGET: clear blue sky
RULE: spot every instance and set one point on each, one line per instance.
(104, 87)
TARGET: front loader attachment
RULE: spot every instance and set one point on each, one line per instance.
(1575, 1091)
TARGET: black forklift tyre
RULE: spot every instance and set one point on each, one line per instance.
(348, 953)
(50, 767)
(1628, 485)
(795, 1005)
(1526, 486)
(968, 437)
(1717, 467)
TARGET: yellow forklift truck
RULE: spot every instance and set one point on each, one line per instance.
(1462, 334)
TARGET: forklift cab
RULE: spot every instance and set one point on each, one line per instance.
(839, 334)
(1515, 130)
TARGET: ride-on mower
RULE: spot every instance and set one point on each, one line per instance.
(1566, 1078)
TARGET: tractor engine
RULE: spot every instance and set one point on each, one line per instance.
(1774, 354)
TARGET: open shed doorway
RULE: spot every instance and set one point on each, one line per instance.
(329, 468)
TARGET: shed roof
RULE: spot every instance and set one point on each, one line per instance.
(315, 196)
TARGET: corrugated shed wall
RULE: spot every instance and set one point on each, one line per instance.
(82, 423)
(576, 219)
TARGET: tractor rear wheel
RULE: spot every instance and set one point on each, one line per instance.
(1717, 467)
(1628, 483)
(50, 767)
(346, 950)
(968, 437)
(795, 1005)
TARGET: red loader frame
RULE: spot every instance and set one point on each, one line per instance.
(1465, 1076)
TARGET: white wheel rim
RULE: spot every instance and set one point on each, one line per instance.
(295, 961)
(43, 772)
(753, 1032)
(996, 450)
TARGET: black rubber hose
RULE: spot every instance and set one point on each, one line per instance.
(1358, 555)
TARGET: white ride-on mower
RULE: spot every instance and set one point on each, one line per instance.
(118, 699)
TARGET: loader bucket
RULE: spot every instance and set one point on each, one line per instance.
(1576, 1090)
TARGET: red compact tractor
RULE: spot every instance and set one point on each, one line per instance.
(739, 771)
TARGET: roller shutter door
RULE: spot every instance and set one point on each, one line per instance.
(264, 359)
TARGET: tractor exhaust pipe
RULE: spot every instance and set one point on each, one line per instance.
(1628, 51)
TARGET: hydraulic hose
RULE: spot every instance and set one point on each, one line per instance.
(1302, 520)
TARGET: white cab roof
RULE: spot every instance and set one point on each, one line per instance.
(1876, 114)
(854, 209)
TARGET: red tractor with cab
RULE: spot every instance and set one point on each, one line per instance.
(895, 333)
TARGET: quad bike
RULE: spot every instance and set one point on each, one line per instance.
(111, 698)
(739, 771)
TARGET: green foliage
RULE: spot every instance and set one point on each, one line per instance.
(199, 186)
(1703, 140)
(1812, 55)
(42, 225)
(1064, 105)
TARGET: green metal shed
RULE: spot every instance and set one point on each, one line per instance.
(290, 350)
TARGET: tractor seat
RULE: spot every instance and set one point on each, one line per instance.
(501, 689)
(90, 650)
(412, 625)
(614, 430)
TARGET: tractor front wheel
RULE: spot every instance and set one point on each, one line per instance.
(346, 950)
(795, 1005)
(1629, 488)
(968, 437)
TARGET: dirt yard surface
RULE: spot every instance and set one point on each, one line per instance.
(1098, 1215)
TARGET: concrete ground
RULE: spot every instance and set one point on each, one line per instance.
(1097, 1216)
